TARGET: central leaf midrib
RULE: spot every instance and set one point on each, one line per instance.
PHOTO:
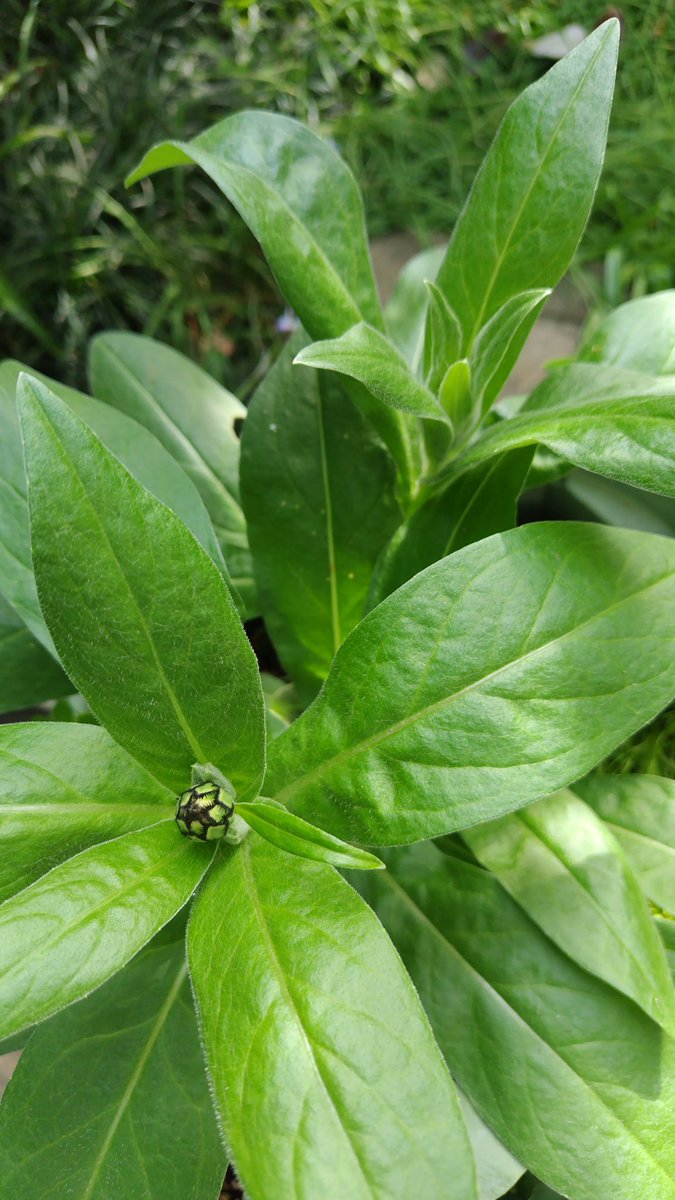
(506, 245)
(226, 167)
(451, 949)
(19, 760)
(256, 904)
(446, 701)
(330, 535)
(170, 693)
(19, 632)
(552, 422)
(190, 449)
(57, 809)
(134, 1079)
(157, 867)
(558, 853)
(470, 504)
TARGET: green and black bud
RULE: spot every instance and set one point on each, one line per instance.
(204, 812)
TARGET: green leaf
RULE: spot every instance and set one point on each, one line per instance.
(318, 491)
(640, 812)
(580, 384)
(443, 338)
(303, 205)
(365, 354)
(110, 1098)
(666, 930)
(16, 1042)
(406, 311)
(29, 674)
(617, 504)
(324, 1070)
(157, 649)
(194, 419)
(456, 399)
(630, 439)
(492, 679)
(290, 833)
(476, 504)
(639, 335)
(563, 866)
(496, 1168)
(281, 703)
(74, 928)
(63, 788)
(136, 449)
(499, 343)
(575, 1079)
(531, 198)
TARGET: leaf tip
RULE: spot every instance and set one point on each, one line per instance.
(27, 388)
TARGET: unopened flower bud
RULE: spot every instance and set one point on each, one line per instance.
(204, 812)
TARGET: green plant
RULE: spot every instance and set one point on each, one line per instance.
(455, 674)
(411, 93)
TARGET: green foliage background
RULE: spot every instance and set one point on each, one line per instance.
(411, 90)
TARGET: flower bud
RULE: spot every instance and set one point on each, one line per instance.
(204, 812)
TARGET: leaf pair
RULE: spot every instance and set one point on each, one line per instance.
(457, 390)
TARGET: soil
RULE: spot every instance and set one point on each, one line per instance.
(232, 1189)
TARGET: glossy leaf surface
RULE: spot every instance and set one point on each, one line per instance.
(281, 703)
(500, 341)
(531, 198)
(640, 811)
(303, 205)
(571, 1075)
(290, 833)
(158, 649)
(563, 866)
(318, 490)
(617, 504)
(639, 335)
(333, 1085)
(666, 930)
(29, 674)
(136, 449)
(194, 419)
(111, 1099)
(493, 678)
(497, 1170)
(480, 502)
(580, 383)
(456, 398)
(443, 338)
(629, 439)
(74, 928)
(365, 354)
(63, 788)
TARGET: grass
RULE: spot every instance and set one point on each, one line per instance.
(411, 90)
